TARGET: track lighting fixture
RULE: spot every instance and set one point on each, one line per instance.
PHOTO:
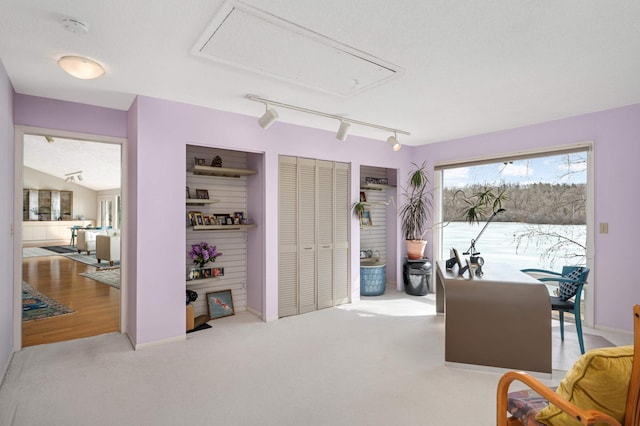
(270, 116)
(71, 177)
(343, 130)
(393, 141)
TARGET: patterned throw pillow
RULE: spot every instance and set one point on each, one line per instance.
(568, 289)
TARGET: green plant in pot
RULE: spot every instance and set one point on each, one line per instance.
(416, 210)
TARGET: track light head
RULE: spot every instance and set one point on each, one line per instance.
(343, 130)
(268, 118)
(393, 141)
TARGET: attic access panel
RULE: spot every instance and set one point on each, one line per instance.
(259, 42)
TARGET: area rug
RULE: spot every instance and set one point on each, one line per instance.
(37, 252)
(565, 354)
(61, 249)
(108, 276)
(37, 306)
(91, 260)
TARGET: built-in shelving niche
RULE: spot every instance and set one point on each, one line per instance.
(374, 237)
(229, 191)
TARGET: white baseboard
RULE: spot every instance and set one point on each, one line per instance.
(254, 312)
(5, 367)
(138, 346)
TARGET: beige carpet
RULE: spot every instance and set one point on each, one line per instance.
(378, 362)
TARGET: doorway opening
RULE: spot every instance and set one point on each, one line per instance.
(69, 244)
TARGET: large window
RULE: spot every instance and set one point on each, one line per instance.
(544, 224)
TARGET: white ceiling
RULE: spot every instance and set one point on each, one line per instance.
(99, 162)
(464, 67)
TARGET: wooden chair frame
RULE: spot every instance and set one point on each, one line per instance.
(585, 417)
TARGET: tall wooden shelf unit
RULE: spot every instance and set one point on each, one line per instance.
(228, 192)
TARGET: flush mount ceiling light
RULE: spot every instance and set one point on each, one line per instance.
(268, 118)
(271, 115)
(393, 141)
(80, 67)
(49, 139)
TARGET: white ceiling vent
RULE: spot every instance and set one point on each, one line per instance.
(251, 39)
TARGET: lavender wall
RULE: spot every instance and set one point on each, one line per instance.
(7, 171)
(163, 130)
(616, 137)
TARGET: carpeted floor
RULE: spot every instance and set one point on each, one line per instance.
(108, 276)
(564, 354)
(37, 306)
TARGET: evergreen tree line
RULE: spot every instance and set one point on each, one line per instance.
(544, 203)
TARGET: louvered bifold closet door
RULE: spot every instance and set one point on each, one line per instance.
(341, 234)
(307, 235)
(288, 237)
(325, 191)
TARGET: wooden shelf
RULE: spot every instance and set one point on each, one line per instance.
(223, 227)
(200, 201)
(222, 171)
(376, 186)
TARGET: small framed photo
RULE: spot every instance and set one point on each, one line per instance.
(229, 220)
(370, 180)
(199, 161)
(199, 219)
(194, 274)
(217, 272)
(236, 221)
(383, 181)
(363, 197)
(206, 273)
(365, 220)
(220, 304)
(221, 219)
(239, 215)
(207, 220)
(188, 194)
(193, 220)
(202, 194)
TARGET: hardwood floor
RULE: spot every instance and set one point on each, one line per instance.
(97, 305)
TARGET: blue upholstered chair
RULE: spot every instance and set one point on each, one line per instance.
(570, 282)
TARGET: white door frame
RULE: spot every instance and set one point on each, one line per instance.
(19, 133)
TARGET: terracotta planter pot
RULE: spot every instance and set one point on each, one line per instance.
(415, 249)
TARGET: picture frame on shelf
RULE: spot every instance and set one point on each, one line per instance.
(202, 194)
(365, 220)
(188, 194)
(207, 220)
(383, 181)
(199, 161)
(193, 217)
(221, 219)
(363, 197)
(369, 180)
(239, 215)
(220, 304)
(217, 272)
(199, 219)
(229, 220)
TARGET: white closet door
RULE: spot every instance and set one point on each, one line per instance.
(288, 237)
(307, 235)
(325, 197)
(341, 234)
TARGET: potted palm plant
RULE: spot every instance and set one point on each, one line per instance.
(416, 211)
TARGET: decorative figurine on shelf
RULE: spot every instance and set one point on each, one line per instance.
(216, 162)
(203, 253)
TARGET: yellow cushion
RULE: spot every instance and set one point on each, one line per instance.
(599, 380)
